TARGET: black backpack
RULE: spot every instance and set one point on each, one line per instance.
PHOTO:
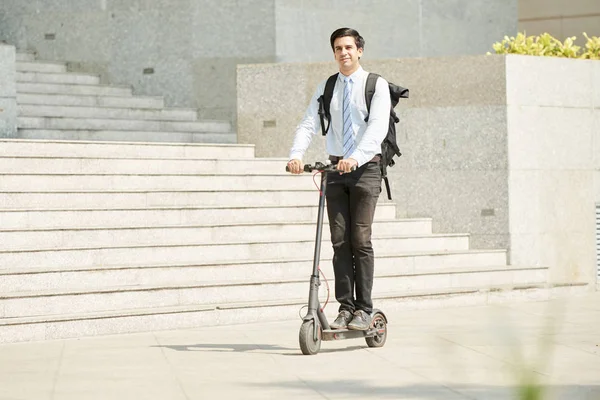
(389, 147)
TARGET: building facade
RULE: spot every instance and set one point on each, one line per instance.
(560, 18)
(188, 50)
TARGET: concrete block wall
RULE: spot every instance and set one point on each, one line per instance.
(554, 157)
(393, 28)
(560, 18)
(452, 135)
(504, 148)
(8, 92)
(193, 46)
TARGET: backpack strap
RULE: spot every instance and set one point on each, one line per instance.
(370, 91)
(325, 102)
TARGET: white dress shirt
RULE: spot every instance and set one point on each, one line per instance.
(367, 135)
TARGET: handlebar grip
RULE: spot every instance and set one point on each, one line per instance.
(319, 166)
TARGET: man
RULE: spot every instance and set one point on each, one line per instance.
(351, 195)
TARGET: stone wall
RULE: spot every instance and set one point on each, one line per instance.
(560, 18)
(8, 92)
(192, 47)
(554, 158)
(503, 148)
(393, 28)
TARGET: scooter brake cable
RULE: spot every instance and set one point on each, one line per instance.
(326, 284)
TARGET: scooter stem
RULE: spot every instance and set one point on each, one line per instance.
(314, 308)
(319, 234)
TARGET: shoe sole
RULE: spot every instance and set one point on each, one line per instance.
(335, 328)
(354, 328)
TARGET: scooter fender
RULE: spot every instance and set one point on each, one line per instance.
(376, 311)
(316, 324)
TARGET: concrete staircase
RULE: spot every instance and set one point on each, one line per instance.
(56, 104)
(107, 237)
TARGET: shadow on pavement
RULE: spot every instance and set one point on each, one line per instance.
(246, 347)
(225, 347)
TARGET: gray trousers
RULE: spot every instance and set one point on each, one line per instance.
(351, 201)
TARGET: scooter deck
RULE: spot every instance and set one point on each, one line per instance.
(339, 334)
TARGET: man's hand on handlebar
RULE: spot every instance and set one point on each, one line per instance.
(295, 166)
(347, 165)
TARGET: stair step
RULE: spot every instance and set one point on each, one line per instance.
(144, 102)
(186, 234)
(73, 89)
(193, 253)
(51, 182)
(155, 198)
(25, 56)
(19, 304)
(67, 149)
(142, 217)
(128, 136)
(95, 277)
(39, 66)
(58, 78)
(122, 125)
(167, 318)
(86, 165)
(50, 111)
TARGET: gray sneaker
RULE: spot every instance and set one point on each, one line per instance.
(361, 321)
(341, 322)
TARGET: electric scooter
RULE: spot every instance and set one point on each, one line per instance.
(315, 326)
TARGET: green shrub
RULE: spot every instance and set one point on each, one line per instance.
(593, 48)
(546, 45)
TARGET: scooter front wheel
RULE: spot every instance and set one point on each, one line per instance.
(308, 344)
(380, 324)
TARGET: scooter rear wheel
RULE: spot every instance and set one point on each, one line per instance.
(308, 344)
(380, 324)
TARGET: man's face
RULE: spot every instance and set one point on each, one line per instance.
(346, 54)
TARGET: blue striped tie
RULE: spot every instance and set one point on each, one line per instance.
(348, 133)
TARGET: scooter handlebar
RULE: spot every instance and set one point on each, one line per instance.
(319, 166)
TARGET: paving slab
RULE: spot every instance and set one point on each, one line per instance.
(483, 352)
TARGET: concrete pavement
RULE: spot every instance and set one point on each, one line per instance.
(458, 353)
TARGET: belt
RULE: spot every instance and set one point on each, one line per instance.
(336, 159)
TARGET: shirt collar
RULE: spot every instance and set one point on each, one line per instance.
(354, 76)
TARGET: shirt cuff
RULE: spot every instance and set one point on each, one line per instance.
(296, 156)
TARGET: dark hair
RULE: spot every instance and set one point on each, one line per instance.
(342, 32)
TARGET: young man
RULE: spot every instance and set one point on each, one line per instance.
(351, 195)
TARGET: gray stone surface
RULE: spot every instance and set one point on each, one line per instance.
(473, 202)
(467, 352)
(552, 135)
(445, 81)
(8, 92)
(548, 81)
(453, 137)
(447, 26)
(596, 144)
(551, 138)
(391, 28)
(596, 84)
(194, 46)
(561, 18)
(504, 148)
(271, 101)
(8, 117)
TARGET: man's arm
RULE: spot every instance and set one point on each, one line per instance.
(306, 129)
